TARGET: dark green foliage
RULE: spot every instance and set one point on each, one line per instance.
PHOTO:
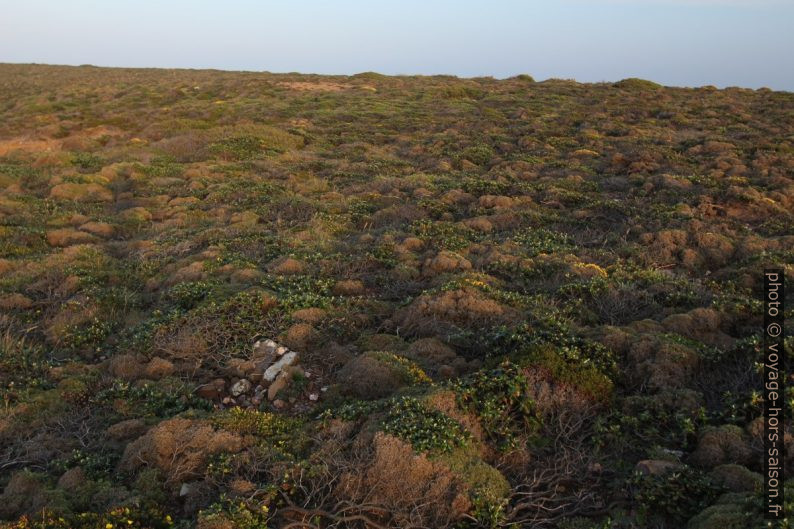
(87, 162)
(677, 495)
(151, 400)
(501, 399)
(427, 430)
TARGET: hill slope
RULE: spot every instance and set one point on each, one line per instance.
(238, 299)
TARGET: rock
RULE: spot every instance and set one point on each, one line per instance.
(239, 368)
(287, 360)
(213, 390)
(281, 382)
(656, 467)
(279, 404)
(265, 347)
(185, 489)
(314, 397)
(240, 387)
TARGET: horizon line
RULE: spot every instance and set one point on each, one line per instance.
(473, 78)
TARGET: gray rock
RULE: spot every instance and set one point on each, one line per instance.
(656, 467)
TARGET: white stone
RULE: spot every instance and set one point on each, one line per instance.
(287, 360)
(241, 386)
(265, 346)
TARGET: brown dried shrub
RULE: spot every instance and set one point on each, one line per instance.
(349, 287)
(287, 266)
(414, 490)
(69, 237)
(180, 448)
(396, 215)
(430, 313)
(445, 262)
(81, 192)
(300, 337)
(126, 366)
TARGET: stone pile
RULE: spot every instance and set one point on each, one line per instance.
(248, 383)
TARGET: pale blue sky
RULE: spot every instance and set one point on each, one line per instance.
(675, 42)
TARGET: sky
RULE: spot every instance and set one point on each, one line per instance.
(748, 43)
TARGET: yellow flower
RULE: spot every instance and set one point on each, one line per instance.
(108, 525)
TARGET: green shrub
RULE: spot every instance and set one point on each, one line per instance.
(151, 399)
(480, 154)
(427, 430)
(677, 495)
(501, 399)
(189, 294)
(235, 513)
(634, 83)
(252, 422)
(406, 369)
(116, 518)
(540, 240)
(87, 162)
